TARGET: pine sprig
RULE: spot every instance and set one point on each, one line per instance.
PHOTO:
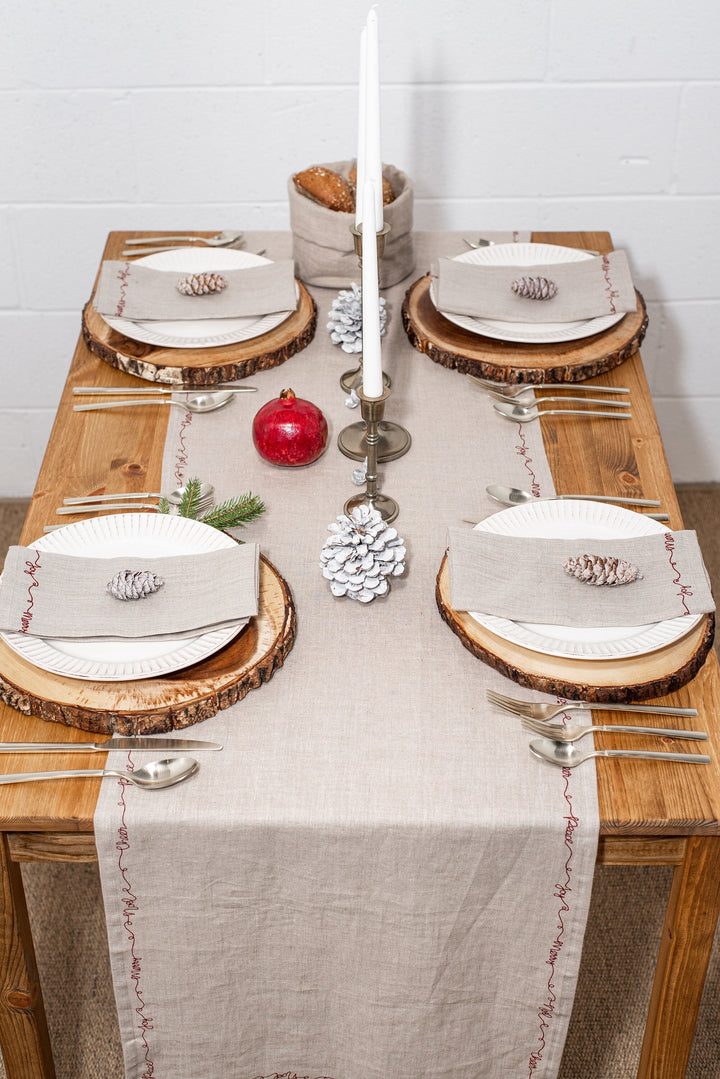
(235, 512)
(190, 498)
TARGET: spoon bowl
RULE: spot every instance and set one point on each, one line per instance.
(152, 776)
(567, 755)
(202, 401)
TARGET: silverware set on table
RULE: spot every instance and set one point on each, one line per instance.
(556, 743)
(505, 400)
(129, 501)
(155, 775)
(169, 243)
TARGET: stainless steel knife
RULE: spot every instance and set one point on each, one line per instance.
(164, 744)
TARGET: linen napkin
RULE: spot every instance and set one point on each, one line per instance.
(596, 286)
(45, 594)
(522, 578)
(131, 290)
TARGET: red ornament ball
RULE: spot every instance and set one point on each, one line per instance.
(290, 431)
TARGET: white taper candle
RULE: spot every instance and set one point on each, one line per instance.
(372, 359)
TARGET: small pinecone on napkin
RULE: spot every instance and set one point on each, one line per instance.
(200, 284)
(345, 325)
(594, 569)
(534, 288)
(134, 584)
(361, 555)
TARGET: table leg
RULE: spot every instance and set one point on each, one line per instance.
(24, 1035)
(692, 915)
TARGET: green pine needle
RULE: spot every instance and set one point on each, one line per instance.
(235, 512)
(190, 498)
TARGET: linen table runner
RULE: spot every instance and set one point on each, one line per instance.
(374, 878)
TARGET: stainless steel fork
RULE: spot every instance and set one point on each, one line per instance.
(536, 710)
(573, 732)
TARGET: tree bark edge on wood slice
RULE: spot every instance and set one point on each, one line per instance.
(670, 668)
(451, 346)
(183, 698)
(226, 363)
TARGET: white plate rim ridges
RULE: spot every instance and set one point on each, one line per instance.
(564, 519)
(91, 663)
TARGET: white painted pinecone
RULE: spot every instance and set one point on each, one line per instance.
(199, 284)
(534, 288)
(595, 569)
(345, 325)
(134, 584)
(361, 555)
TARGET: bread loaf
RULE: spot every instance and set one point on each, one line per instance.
(388, 193)
(326, 187)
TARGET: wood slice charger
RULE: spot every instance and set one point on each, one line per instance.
(619, 681)
(173, 701)
(201, 366)
(506, 361)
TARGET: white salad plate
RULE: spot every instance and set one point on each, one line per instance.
(526, 255)
(580, 520)
(152, 535)
(200, 333)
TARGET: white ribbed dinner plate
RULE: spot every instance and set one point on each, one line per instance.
(580, 520)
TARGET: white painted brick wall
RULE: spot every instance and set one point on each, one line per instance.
(552, 114)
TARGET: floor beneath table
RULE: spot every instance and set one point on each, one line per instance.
(609, 1016)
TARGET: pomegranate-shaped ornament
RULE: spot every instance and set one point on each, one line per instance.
(290, 431)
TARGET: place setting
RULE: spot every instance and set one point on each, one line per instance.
(142, 622)
(532, 311)
(601, 598)
(195, 314)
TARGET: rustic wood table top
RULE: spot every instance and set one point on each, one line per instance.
(676, 820)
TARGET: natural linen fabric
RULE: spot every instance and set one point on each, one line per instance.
(522, 578)
(375, 878)
(587, 289)
(324, 248)
(45, 594)
(131, 290)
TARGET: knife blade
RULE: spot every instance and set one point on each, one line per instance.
(164, 744)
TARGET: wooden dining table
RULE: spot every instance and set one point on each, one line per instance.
(673, 823)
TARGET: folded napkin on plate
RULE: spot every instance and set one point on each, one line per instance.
(596, 286)
(130, 290)
(522, 578)
(45, 594)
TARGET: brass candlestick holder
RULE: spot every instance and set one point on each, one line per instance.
(393, 441)
(372, 412)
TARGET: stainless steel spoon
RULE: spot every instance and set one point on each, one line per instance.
(514, 496)
(220, 240)
(569, 756)
(175, 497)
(196, 402)
(525, 414)
(152, 776)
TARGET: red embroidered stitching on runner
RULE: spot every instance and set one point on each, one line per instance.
(289, 1075)
(181, 457)
(123, 275)
(130, 908)
(546, 1010)
(26, 616)
(522, 451)
(610, 292)
(685, 589)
